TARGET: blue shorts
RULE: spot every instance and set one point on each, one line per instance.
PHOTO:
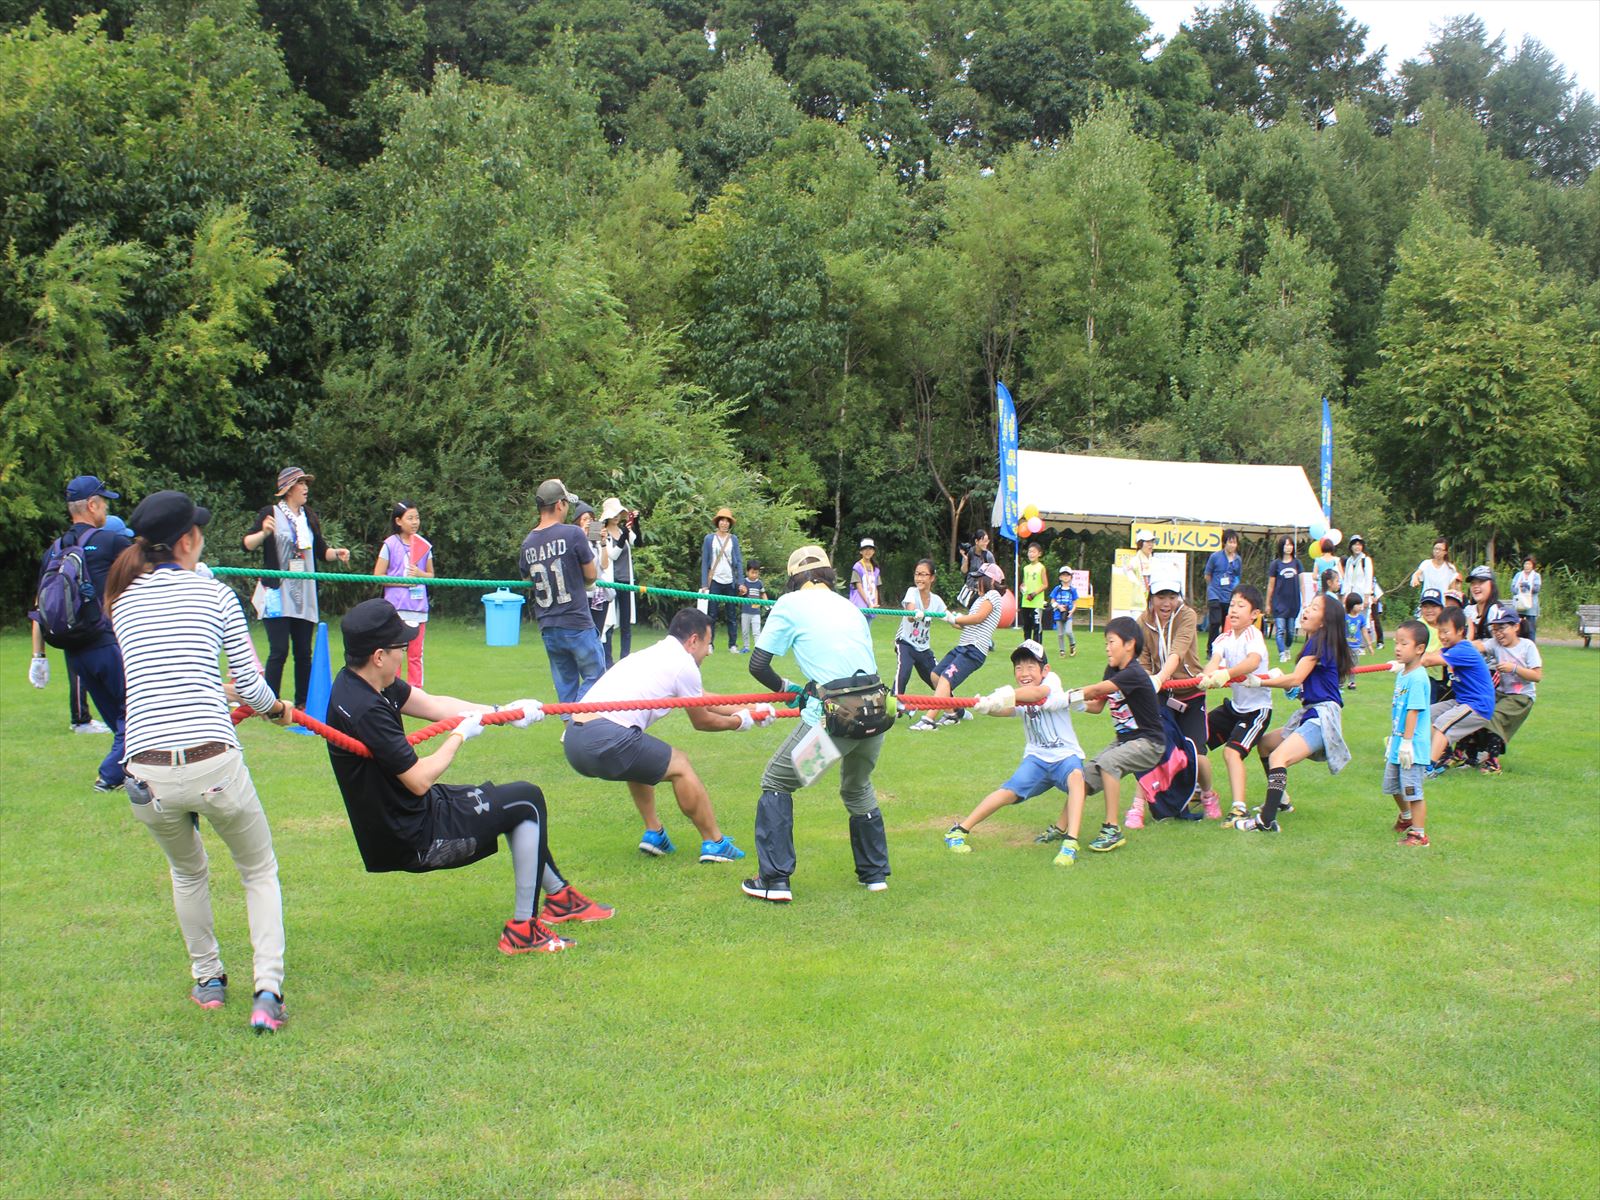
(1309, 727)
(1034, 775)
(960, 662)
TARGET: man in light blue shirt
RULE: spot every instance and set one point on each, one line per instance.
(829, 640)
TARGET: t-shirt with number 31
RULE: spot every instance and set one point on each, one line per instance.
(552, 562)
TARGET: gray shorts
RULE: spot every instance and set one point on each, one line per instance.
(1407, 781)
(602, 749)
(1121, 758)
(1455, 720)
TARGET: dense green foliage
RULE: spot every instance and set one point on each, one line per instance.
(776, 253)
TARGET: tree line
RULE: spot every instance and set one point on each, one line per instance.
(776, 254)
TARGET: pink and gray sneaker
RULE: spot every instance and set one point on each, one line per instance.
(1135, 817)
(266, 1013)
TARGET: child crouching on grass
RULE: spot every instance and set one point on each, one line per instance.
(1408, 733)
(1141, 740)
(1239, 722)
(1471, 706)
(1052, 757)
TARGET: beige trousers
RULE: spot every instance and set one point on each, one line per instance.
(165, 799)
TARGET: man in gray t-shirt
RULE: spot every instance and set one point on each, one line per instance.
(558, 563)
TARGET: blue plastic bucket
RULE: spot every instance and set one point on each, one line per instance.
(502, 618)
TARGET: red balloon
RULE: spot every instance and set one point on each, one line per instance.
(1008, 609)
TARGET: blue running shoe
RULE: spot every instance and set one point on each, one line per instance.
(656, 843)
(1292, 693)
(1434, 770)
(723, 851)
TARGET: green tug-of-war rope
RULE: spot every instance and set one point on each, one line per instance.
(510, 584)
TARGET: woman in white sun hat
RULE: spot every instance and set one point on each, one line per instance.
(865, 577)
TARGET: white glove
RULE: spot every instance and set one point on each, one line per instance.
(1001, 697)
(1408, 754)
(1397, 667)
(1066, 700)
(949, 618)
(471, 726)
(39, 671)
(1251, 680)
(763, 715)
(532, 713)
(1217, 678)
(746, 721)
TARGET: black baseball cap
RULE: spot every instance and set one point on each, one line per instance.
(164, 517)
(374, 625)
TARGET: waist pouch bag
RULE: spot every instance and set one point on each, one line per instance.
(856, 707)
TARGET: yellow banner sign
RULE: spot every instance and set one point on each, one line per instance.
(1195, 539)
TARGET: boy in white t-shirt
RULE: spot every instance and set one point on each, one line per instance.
(1239, 721)
(1052, 757)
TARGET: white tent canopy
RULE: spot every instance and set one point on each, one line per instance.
(1079, 491)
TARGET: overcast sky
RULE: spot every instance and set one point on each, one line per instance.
(1569, 28)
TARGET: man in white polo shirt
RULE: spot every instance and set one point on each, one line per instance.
(615, 746)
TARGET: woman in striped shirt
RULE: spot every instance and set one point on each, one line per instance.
(973, 646)
(183, 757)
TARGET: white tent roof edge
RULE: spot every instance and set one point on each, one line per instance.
(1088, 492)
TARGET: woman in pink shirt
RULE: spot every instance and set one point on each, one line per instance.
(407, 555)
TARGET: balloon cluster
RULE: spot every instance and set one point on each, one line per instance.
(1031, 522)
(1320, 529)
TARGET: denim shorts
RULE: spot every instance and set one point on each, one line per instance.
(1396, 777)
(1310, 730)
(1034, 776)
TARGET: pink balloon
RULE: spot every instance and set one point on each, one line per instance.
(1035, 525)
(1008, 609)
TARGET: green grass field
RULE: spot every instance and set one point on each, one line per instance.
(1201, 1012)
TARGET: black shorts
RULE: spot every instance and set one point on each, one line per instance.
(602, 749)
(1192, 720)
(466, 822)
(1227, 726)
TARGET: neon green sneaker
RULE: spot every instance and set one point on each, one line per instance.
(955, 840)
(1068, 854)
(1110, 838)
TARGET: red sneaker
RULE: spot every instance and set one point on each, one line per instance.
(569, 904)
(531, 937)
(1401, 824)
(1415, 837)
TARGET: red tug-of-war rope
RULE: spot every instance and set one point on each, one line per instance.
(345, 742)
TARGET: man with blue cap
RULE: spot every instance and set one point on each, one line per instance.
(81, 628)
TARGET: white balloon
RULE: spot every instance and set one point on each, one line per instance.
(1335, 536)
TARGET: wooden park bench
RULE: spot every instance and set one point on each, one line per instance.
(1588, 622)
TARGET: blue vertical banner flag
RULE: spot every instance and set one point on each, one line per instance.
(1009, 514)
(1327, 461)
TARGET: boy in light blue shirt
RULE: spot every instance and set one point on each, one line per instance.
(1409, 733)
(1063, 599)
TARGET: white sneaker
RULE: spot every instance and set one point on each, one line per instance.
(877, 885)
(925, 724)
(91, 726)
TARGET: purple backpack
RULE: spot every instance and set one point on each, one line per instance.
(68, 610)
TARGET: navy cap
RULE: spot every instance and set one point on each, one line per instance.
(1503, 614)
(1432, 596)
(1479, 574)
(375, 625)
(164, 517)
(85, 486)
